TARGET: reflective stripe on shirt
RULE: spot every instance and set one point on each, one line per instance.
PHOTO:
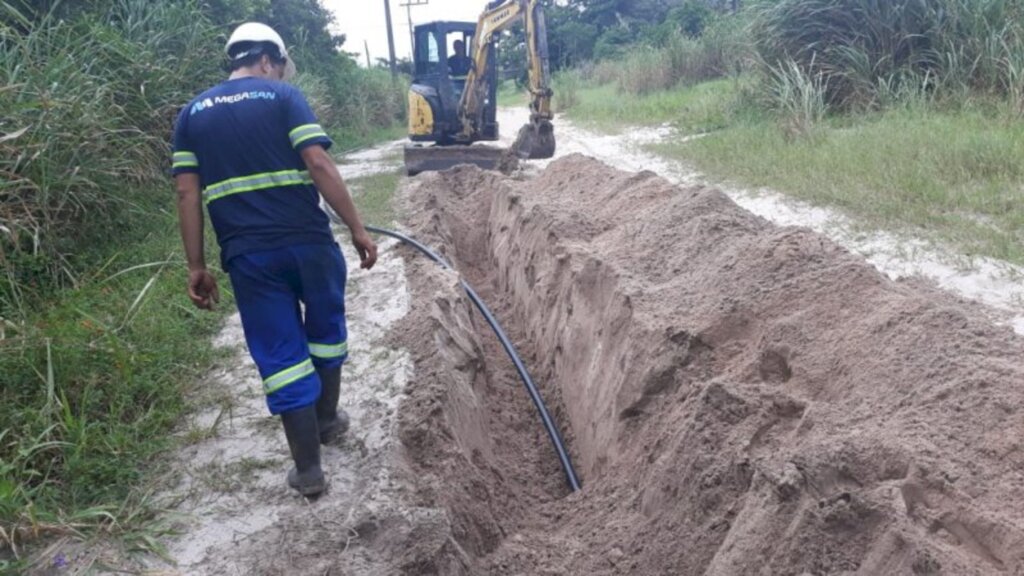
(253, 182)
(184, 159)
(305, 132)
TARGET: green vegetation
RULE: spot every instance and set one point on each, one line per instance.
(511, 95)
(374, 196)
(902, 113)
(956, 174)
(349, 140)
(98, 343)
(867, 52)
(91, 385)
(701, 108)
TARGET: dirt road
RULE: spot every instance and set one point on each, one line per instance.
(438, 487)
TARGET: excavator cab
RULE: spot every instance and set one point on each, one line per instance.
(441, 68)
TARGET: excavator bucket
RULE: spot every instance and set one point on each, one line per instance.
(434, 158)
(536, 141)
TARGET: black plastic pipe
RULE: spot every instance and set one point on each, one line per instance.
(531, 388)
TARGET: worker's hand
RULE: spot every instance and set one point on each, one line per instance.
(202, 289)
(366, 247)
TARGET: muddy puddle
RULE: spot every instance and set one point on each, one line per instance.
(386, 157)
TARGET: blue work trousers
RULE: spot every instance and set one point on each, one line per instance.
(286, 344)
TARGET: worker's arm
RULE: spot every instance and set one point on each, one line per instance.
(330, 184)
(202, 286)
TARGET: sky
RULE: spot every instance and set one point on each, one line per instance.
(363, 20)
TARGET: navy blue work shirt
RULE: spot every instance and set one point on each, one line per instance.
(243, 138)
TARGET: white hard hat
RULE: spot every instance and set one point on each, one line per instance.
(258, 32)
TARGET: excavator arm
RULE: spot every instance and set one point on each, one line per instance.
(536, 139)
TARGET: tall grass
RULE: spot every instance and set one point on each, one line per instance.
(372, 108)
(87, 106)
(373, 99)
(566, 84)
(91, 361)
(679, 60)
(98, 343)
(798, 97)
(867, 49)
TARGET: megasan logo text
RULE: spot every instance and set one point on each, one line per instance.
(232, 99)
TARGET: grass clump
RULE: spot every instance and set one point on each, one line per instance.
(374, 196)
(796, 96)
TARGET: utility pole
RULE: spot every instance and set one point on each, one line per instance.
(412, 36)
(391, 39)
(366, 47)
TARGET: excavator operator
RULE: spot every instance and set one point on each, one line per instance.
(459, 64)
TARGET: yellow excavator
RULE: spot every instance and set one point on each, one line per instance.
(453, 98)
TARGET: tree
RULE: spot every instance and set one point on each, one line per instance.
(571, 37)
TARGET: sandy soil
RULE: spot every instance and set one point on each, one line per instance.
(740, 398)
(997, 284)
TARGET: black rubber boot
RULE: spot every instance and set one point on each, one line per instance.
(332, 421)
(300, 427)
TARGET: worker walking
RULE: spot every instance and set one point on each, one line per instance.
(251, 149)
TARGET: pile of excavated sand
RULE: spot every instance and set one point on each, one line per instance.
(739, 398)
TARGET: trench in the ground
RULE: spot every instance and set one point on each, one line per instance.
(508, 469)
(718, 380)
(500, 461)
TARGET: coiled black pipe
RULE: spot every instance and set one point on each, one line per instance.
(531, 388)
